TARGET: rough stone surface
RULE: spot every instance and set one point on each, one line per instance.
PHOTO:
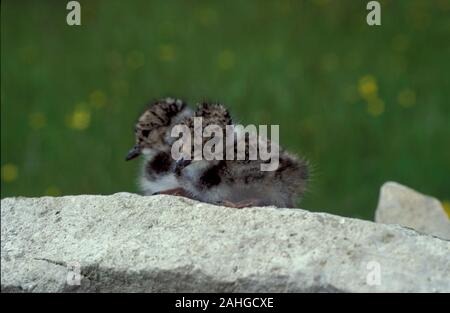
(130, 243)
(404, 206)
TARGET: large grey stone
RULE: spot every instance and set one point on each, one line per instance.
(127, 242)
(404, 206)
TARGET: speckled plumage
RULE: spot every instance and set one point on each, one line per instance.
(153, 141)
(235, 183)
(241, 183)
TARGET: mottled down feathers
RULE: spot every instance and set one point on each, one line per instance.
(236, 183)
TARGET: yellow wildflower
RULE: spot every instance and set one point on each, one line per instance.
(9, 172)
(226, 60)
(80, 118)
(375, 107)
(53, 191)
(97, 99)
(207, 16)
(166, 53)
(37, 120)
(446, 206)
(406, 98)
(368, 87)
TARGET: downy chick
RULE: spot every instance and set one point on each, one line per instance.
(154, 142)
(241, 183)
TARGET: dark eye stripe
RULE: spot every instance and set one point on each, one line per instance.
(145, 132)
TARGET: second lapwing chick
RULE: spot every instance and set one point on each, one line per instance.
(241, 183)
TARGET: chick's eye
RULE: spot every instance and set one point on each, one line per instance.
(145, 132)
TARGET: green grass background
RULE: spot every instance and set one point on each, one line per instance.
(298, 64)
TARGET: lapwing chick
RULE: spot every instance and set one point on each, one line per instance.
(241, 183)
(153, 142)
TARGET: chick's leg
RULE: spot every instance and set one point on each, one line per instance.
(241, 204)
(174, 192)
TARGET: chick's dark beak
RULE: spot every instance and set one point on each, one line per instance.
(133, 153)
(181, 163)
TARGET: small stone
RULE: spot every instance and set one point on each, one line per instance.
(404, 206)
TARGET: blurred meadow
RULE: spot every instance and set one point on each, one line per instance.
(364, 104)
